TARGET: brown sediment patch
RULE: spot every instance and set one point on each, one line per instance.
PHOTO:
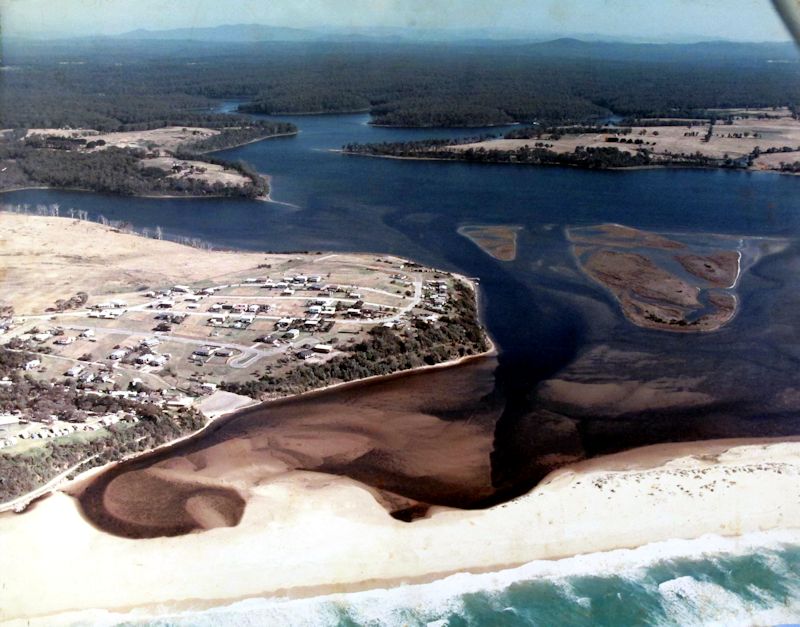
(647, 281)
(499, 242)
(721, 269)
(414, 441)
(143, 504)
(621, 236)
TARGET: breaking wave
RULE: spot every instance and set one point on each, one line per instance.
(747, 580)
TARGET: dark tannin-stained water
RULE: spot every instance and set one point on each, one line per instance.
(573, 378)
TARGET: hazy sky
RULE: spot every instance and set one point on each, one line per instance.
(656, 19)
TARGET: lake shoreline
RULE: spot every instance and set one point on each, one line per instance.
(633, 168)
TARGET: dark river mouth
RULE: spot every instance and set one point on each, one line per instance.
(572, 378)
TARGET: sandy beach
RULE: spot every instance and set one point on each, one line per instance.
(647, 495)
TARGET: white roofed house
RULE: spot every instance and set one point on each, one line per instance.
(76, 370)
(152, 359)
(32, 364)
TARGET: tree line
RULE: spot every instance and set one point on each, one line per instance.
(398, 85)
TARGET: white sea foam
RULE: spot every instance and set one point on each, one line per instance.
(686, 601)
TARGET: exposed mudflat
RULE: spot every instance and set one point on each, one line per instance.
(499, 242)
(661, 283)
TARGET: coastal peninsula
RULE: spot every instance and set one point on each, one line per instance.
(743, 138)
(163, 161)
(112, 341)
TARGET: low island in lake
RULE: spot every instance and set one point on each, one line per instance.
(498, 241)
(661, 283)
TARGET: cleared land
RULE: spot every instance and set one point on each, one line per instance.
(660, 283)
(760, 139)
(207, 172)
(166, 161)
(218, 316)
(167, 139)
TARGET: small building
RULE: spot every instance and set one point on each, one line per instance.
(76, 370)
(323, 348)
(118, 354)
(32, 364)
(152, 359)
(292, 334)
(64, 340)
(305, 354)
(183, 289)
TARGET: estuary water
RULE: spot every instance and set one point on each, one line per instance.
(550, 324)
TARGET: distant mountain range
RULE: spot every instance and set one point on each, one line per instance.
(263, 39)
(252, 33)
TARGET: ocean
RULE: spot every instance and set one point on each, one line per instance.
(709, 581)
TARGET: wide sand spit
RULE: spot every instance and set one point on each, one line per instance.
(308, 533)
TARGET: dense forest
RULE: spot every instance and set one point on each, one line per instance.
(136, 85)
(112, 170)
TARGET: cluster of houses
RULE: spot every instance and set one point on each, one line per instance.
(108, 311)
(14, 428)
(146, 356)
(434, 295)
(205, 353)
(235, 315)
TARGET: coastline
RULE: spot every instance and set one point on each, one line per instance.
(725, 487)
(266, 198)
(93, 191)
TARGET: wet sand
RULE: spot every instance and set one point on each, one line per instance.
(307, 534)
(415, 440)
(499, 242)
